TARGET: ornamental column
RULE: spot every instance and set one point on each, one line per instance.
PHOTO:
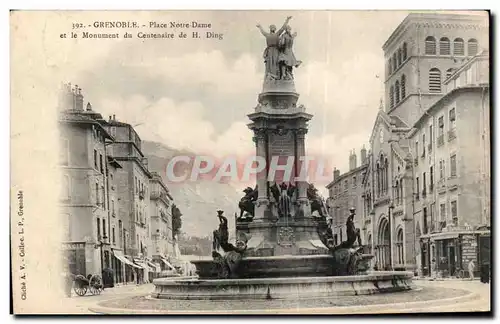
(262, 199)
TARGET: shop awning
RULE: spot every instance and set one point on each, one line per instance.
(144, 265)
(119, 255)
(168, 263)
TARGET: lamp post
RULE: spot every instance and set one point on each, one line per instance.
(391, 207)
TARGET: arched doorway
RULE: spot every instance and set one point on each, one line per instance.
(400, 260)
(383, 246)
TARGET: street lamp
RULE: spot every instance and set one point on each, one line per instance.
(391, 208)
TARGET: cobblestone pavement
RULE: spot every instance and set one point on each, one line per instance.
(434, 296)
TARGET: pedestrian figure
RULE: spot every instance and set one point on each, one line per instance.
(471, 269)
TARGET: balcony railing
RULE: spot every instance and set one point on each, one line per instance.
(452, 134)
(440, 140)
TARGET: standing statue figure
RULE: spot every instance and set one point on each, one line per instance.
(353, 233)
(221, 235)
(283, 195)
(286, 58)
(271, 53)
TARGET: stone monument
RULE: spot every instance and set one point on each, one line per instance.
(282, 222)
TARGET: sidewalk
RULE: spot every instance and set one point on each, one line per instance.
(445, 279)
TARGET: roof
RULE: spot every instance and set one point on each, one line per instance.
(443, 100)
(346, 174)
(82, 118)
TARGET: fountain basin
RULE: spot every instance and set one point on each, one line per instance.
(281, 266)
(283, 288)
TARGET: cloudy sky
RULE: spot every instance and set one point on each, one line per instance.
(195, 94)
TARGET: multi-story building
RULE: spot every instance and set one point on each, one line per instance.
(451, 168)
(344, 193)
(423, 51)
(132, 180)
(84, 199)
(162, 243)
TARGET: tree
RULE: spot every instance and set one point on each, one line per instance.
(176, 220)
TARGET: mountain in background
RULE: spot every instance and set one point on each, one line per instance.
(198, 201)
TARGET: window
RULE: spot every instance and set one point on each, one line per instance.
(95, 159)
(453, 165)
(64, 152)
(454, 214)
(391, 96)
(441, 169)
(449, 72)
(396, 90)
(444, 46)
(403, 87)
(441, 125)
(345, 185)
(424, 184)
(136, 213)
(416, 150)
(113, 236)
(442, 212)
(120, 227)
(400, 56)
(97, 194)
(418, 187)
(405, 51)
(394, 62)
(354, 182)
(113, 208)
(472, 47)
(103, 193)
(431, 178)
(430, 46)
(98, 223)
(458, 46)
(452, 117)
(100, 162)
(389, 66)
(137, 242)
(434, 80)
(136, 185)
(104, 228)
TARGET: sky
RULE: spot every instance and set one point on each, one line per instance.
(196, 94)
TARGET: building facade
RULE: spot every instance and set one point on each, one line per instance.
(344, 193)
(399, 197)
(451, 166)
(84, 199)
(105, 198)
(162, 242)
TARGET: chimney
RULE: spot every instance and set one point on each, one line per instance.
(89, 106)
(114, 117)
(352, 160)
(336, 174)
(363, 155)
(66, 101)
(78, 98)
(110, 118)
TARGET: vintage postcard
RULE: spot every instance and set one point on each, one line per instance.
(250, 162)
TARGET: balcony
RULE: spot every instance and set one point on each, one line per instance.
(452, 134)
(441, 185)
(141, 194)
(440, 140)
(424, 194)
